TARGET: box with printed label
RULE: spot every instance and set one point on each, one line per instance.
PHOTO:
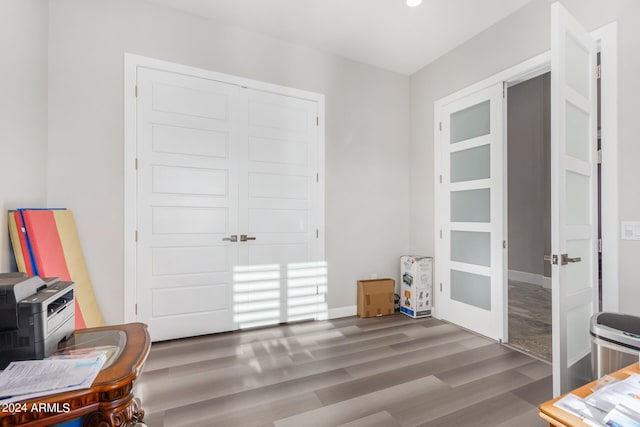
(416, 285)
(375, 297)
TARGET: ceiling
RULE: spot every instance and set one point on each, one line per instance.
(382, 33)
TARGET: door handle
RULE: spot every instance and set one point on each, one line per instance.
(232, 238)
(244, 238)
(566, 260)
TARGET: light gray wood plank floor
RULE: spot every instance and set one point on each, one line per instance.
(384, 371)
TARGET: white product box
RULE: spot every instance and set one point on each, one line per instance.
(416, 285)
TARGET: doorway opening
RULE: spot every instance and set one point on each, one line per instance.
(529, 216)
(529, 304)
(576, 268)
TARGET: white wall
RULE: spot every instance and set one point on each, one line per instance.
(23, 112)
(366, 132)
(529, 175)
(513, 40)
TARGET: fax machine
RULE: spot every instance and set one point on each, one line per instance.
(35, 315)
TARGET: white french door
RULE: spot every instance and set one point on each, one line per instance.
(470, 267)
(470, 260)
(573, 198)
(227, 206)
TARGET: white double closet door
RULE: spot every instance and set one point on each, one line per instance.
(227, 206)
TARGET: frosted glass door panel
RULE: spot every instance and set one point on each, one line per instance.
(471, 164)
(578, 199)
(471, 122)
(577, 133)
(471, 247)
(471, 205)
(472, 289)
(577, 63)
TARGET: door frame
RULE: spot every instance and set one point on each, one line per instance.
(607, 40)
(131, 64)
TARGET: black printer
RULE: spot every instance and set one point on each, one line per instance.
(35, 316)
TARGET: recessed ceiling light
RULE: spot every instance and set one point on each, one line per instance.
(414, 3)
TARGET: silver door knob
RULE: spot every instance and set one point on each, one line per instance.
(232, 238)
(244, 238)
(566, 260)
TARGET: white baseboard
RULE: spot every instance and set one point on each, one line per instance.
(335, 313)
(536, 279)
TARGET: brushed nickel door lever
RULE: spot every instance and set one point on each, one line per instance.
(566, 260)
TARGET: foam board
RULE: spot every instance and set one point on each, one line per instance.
(46, 246)
(16, 242)
(77, 268)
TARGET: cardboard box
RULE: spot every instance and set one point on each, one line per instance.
(375, 297)
(416, 285)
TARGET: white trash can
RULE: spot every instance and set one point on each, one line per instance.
(615, 342)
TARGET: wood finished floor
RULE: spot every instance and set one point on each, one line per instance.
(530, 318)
(378, 372)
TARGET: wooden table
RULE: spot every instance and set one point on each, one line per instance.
(561, 418)
(110, 400)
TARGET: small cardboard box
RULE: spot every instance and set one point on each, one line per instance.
(375, 297)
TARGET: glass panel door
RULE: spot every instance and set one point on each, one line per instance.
(470, 267)
(573, 193)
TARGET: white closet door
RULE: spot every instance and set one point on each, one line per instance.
(187, 203)
(228, 207)
(280, 275)
(470, 270)
(573, 191)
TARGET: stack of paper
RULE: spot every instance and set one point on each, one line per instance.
(35, 378)
(617, 404)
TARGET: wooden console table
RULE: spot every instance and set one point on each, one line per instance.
(110, 401)
(561, 418)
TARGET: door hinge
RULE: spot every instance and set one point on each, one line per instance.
(441, 234)
(317, 177)
(440, 126)
(136, 309)
(599, 133)
(136, 236)
(136, 91)
(599, 157)
(504, 244)
(598, 71)
(440, 179)
(317, 121)
(136, 163)
(600, 245)
(317, 233)
(441, 287)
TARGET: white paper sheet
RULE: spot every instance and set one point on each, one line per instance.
(620, 416)
(578, 407)
(34, 378)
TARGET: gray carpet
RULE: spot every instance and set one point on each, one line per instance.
(530, 318)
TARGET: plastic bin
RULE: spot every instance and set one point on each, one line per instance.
(615, 342)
